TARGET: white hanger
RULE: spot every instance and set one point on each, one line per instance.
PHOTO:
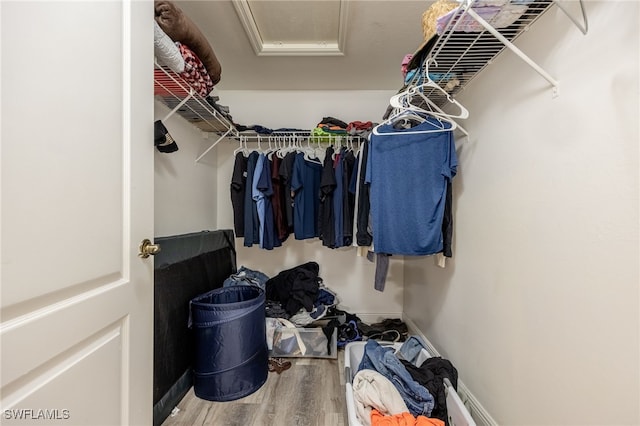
(271, 150)
(288, 145)
(428, 83)
(259, 145)
(463, 112)
(242, 146)
(404, 108)
(319, 150)
(282, 149)
(239, 148)
(338, 147)
(439, 124)
(310, 154)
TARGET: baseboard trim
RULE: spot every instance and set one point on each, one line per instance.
(477, 411)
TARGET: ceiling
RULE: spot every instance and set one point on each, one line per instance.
(308, 44)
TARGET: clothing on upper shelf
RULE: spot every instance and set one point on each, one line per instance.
(359, 127)
(222, 109)
(256, 128)
(498, 16)
(320, 135)
(332, 121)
(265, 130)
(194, 71)
(332, 130)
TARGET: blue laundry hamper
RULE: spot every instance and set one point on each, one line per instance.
(231, 355)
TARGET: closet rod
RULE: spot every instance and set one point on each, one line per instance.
(302, 134)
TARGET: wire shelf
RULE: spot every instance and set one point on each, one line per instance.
(457, 57)
(174, 92)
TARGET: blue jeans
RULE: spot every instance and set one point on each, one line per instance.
(410, 350)
(382, 359)
(246, 276)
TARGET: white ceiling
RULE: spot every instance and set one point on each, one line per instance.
(377, 35)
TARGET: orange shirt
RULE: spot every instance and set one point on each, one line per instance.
(403, 419)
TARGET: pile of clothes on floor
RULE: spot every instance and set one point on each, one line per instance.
(303, 317)
(352, 329)
(401, 387)
(296, 298)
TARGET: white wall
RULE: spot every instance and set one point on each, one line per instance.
(185, 191)
(540, 308)
(350, 276)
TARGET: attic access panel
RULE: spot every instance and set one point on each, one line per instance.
(294, 28)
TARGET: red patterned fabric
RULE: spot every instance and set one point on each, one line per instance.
(168, 83)
(195, 75)
(194, 71)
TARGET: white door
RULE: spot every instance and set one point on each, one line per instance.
(77, 198)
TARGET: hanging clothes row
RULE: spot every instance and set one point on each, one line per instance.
(394, 191)
(288, 189)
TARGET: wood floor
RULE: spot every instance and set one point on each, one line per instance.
(310, 393)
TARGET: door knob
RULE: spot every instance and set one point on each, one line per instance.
(147, 248)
